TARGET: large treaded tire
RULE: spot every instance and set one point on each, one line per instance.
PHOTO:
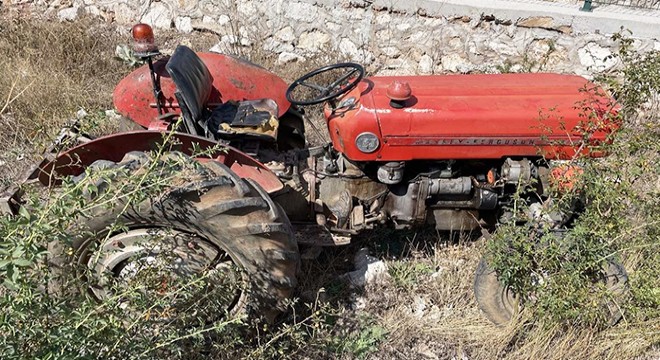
(496, 302)
(236, 215)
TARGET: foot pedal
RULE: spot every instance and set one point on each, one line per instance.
(317, 235)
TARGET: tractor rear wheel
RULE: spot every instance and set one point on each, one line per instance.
(210, 228)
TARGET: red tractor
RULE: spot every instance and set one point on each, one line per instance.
(449, 151)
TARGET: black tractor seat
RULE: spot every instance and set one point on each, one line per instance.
(256, 119)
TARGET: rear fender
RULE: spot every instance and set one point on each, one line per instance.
(114, 147)
(233, 79)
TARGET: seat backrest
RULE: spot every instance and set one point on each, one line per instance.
(193, 82)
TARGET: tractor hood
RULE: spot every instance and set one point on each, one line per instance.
(472, 116)
(233, 79)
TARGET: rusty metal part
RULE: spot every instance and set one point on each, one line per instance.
(483, 199)
(455, 220)
(391, 173)
(357, 217)
(315, 235)
(113, 148)
(566, 177)
(456, 186)
(406, 204)
(517, 171)
(341, 208)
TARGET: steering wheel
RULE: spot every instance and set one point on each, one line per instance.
(322, 93)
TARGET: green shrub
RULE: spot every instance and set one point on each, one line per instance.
(557, 275)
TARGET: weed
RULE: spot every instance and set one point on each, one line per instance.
(360, 341)
(407, 274)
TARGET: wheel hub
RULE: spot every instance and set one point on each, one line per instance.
(167, 272)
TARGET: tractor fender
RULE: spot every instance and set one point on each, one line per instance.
(233, 79)
(113, 148)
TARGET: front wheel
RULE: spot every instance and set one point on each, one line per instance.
(497, 301)
(500, 304)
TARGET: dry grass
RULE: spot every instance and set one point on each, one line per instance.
(451, 326)
(49, 70)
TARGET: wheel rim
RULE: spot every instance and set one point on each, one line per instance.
(167, 273)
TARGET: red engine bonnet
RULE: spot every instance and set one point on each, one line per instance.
(485, 116)
(233, 79)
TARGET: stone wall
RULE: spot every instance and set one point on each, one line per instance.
(387, 39)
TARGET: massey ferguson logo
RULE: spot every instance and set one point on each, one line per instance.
(478, 141)
(473, 141)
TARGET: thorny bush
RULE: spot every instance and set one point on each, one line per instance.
(553, 270)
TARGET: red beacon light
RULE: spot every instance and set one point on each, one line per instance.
(144, 44)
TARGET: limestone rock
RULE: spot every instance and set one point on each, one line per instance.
(288, 57)
(348, 48)
(303, 12)
(403, 26)
(536, 22)
(93, 10)
(159, 16)
(313, 41)
(332, 27)
(370, 270)
(275, 46)
(502, 47)
(544, 22)
(81, 114)
(219, 48)
(455, 63)
(565, 29)
(190, 8)
(286, 34)
(426, 65)
(69, 14)
(226, 44)
(223, 20)
(391, 51)
(229, 39)
(183, 24)
(383, 18)
(418, 307)
(247, 9)
(124, 14)
(596, 57)
(353, 53)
